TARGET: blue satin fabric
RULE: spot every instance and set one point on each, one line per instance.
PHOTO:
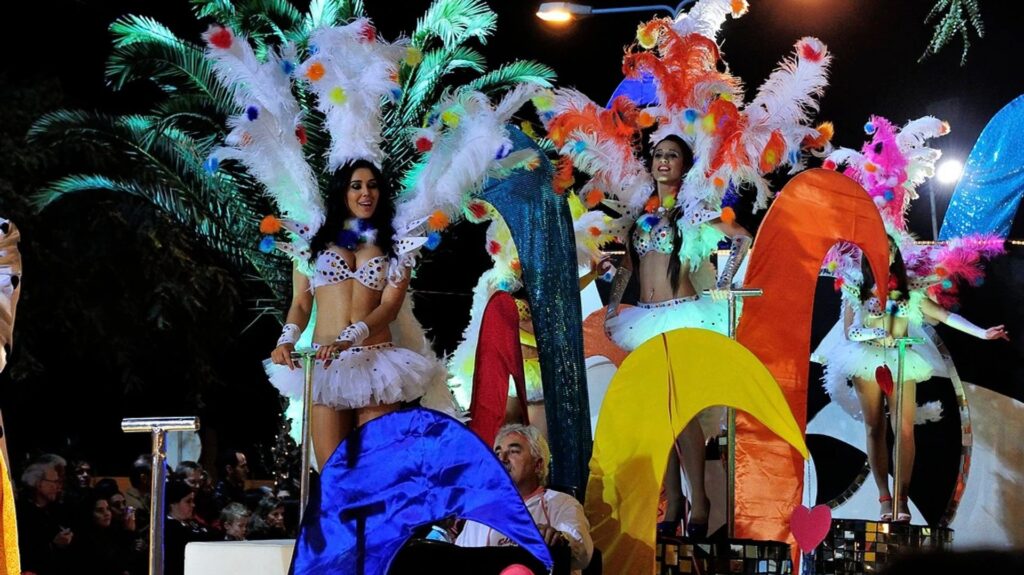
(541, 227)
(987, 197)
(643, 91)
(398, 472)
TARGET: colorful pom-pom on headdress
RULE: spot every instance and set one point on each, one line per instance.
(892, 164)
(266, 109)
(351, 71)
(270, 225)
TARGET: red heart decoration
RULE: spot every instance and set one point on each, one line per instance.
(883, 375)
(810, 526)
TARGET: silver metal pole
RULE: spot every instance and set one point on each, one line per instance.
(935, 222)
(730, 464)
(897, 488)
(158, 475)
(158, 427)
(307, 358)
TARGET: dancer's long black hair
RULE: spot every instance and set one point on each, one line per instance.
(338, 212)
(674, 265)
(897, 269)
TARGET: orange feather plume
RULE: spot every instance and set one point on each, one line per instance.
(563, 178)
(825, 133)
(772, 153)
(594, 197)
(681, 65)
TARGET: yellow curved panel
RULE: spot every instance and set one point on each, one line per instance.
(659, 387)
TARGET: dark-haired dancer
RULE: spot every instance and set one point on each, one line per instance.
(667, 249)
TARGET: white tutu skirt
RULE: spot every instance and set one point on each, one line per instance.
(844, 360)
(363, 376)
(635, 325)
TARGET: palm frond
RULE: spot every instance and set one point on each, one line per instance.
(455, 22)
(160, 152)
(330, 13)
(955, 17)
(512, 73)
(220, 231)
(221, 11)
(131, 29)
(54, 126)
(193, 111)
(426, 79)
(174, 69)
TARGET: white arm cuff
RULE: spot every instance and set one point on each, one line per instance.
(289, 334)
(861, 333)
(355, 333)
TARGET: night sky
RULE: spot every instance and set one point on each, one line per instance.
(875, 44)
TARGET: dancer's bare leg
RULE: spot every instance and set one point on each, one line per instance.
(876, 426)
(538, 417)
(692, 447)
(513, 411)
(328, 427)
(673, 489)
(371, 412)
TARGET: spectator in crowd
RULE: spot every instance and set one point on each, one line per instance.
(101, 545)
(137, 495)
(122, 514)
(82, 479)
(180, 526)
(78, 484)
(234, 470)
(559, 517)
(191, 473)
(195, 476)
(234, 519)
(44, 533)
(60, 465)
(268, 521)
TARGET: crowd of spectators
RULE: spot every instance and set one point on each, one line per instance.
(69, 519)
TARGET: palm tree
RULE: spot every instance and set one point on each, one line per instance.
(166, 148)
(953, 18)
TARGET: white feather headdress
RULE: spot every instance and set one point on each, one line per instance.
(351, 70)
(465, 142)
(267, 135)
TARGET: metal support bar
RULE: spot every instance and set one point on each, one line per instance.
(625, 9)
(675, 12)
(158, 427)
(307, 357)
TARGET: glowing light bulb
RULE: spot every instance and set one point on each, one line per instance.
(949, 171)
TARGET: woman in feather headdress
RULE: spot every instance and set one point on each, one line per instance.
(364, 374)
(922, 280)
(670, 300)
(672, 215)
(343, 251)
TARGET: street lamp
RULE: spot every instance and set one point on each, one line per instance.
(947, 174)
(949, 171)
(561, 12)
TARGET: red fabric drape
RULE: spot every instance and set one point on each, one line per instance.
(498, 355)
